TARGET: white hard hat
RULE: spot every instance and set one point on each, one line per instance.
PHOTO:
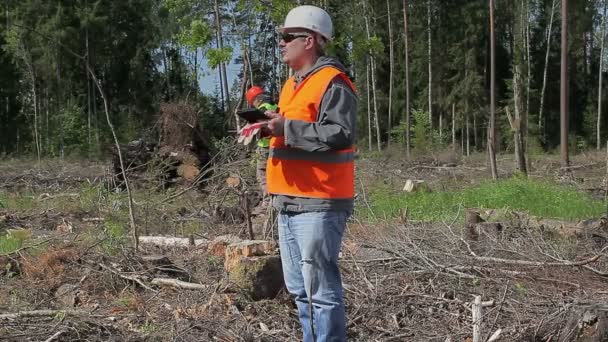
(311, 18)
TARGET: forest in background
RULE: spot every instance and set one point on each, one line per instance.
(146, 52)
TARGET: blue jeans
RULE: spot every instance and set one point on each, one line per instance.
(310, 245)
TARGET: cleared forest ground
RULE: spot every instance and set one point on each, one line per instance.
(69, 271)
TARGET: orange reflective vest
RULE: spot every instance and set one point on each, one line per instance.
(299, 173)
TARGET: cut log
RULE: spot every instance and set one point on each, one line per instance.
(165, 241)
(179, 284)
(416, 186)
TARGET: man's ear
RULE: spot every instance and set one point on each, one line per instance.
(310, 42)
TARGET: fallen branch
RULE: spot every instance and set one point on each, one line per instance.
(55, 336)
(178, 284)
(542, 263)
(127, 277)
(575, 167)
(165, 241)
(43, 313)
(495, 336)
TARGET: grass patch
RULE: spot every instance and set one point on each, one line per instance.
(539, 198)
(16, 201)
(13, 240)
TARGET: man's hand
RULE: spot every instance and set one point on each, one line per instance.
(276, 125)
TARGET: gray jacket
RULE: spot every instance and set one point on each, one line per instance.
(334, 130)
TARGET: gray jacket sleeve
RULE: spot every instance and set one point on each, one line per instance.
(335, 126)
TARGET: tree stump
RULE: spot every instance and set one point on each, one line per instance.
(259, 277)
(472, 218)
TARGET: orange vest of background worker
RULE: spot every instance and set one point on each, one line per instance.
(299, 173)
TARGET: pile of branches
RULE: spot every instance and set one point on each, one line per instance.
(425, 279)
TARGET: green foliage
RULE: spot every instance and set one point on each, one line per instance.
(11, 242)
(74, 128)
(217, 56)
(398, 132)
(197, 36)
(539, 198)
(115, 235)
(424, 138)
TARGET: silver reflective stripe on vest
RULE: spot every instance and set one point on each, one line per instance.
(322, 156)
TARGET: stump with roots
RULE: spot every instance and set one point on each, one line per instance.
(175, 153)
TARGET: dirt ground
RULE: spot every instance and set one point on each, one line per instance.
(77, 277)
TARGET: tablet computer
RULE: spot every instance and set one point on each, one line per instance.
(252, 115)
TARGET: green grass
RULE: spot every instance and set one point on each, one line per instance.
(16, 201)
(538, 198)
(10, 243)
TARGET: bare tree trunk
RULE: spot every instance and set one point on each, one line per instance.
(373, 74)
(369, 110)
(390, 75)
(196, 86)
(32, 72)
(376, 119)
(492, 128)
(541, 127)
(220, 42)
(454, 127)
(61, 128)
(475, 139)
(599, 89)
(529, 78)
(407, 82)
(86, 46)
(517, 123)
(564, 88)
(46, 115)
(430, 55)
(468, 134)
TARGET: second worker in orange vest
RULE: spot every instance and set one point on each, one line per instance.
(310, 172)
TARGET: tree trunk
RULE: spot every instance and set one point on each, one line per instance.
(32, 73)
(599, 89)
(376, 119)
(407, 82)
(517, 123)
(454, 127)
(220, 42)
(86, 46)
(373, 74)
(564, 88)
(492, 128)
(529, 78)
(541, 127)
(47, 125)
(468, 133)
(430, 56)
(390, 75)
(369, 110)
(475, 132)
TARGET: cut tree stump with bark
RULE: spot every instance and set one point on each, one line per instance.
(244, 249)
(259, 277)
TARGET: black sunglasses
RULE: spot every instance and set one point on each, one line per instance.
(288, 37)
